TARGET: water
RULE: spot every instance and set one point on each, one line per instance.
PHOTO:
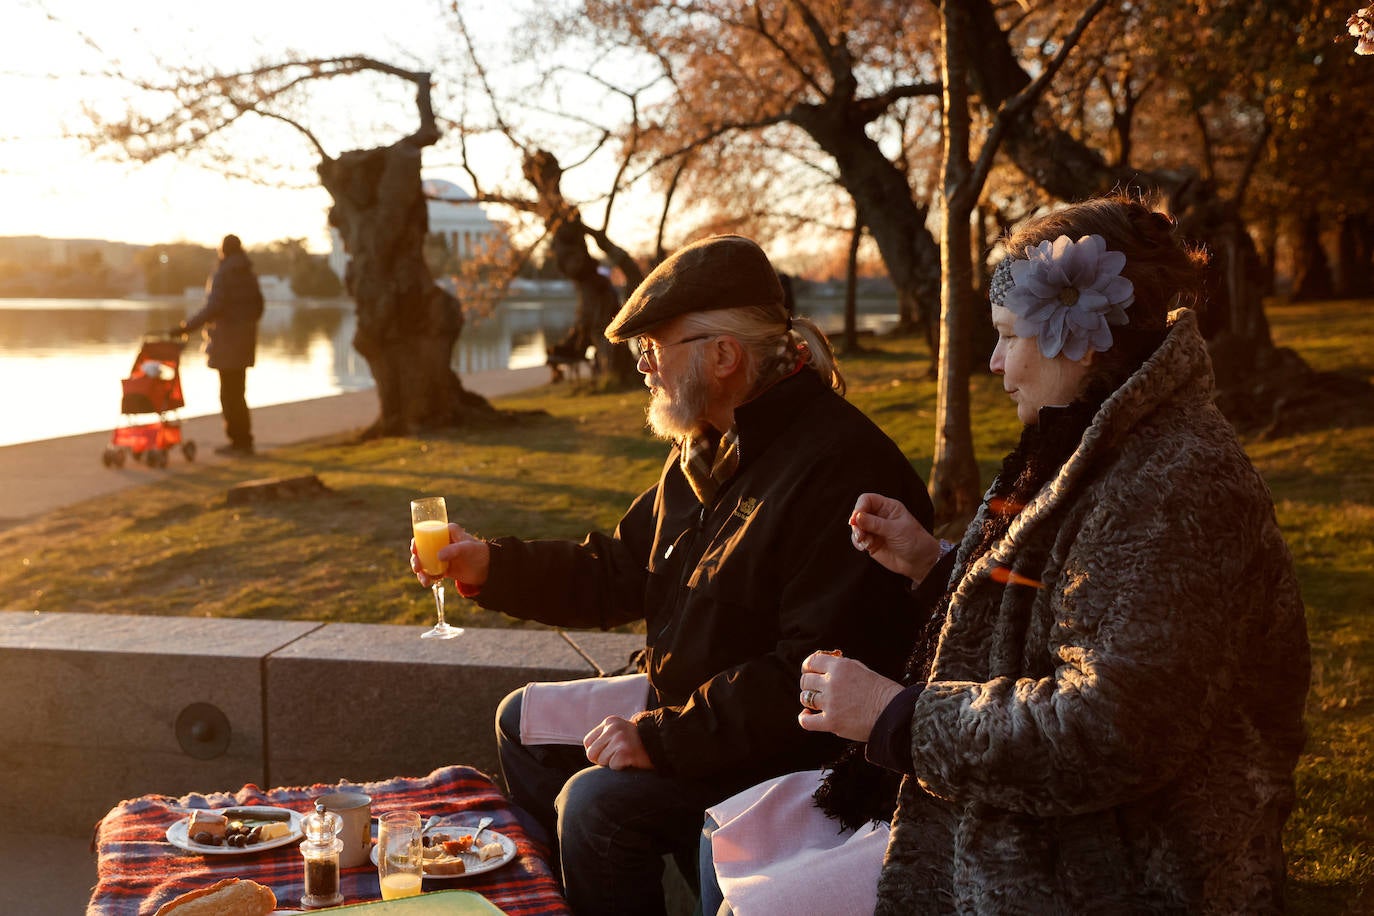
(62, 360)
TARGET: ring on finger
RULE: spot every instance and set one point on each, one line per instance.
(808, 698)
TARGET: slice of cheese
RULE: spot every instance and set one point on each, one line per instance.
(272, 832)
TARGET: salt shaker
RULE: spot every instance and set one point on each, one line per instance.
(320, 849)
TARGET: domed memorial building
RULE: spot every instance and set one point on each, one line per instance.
(458, 227)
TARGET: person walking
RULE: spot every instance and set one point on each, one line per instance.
(230, 319)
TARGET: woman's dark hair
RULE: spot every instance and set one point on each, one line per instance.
(230, 245)
(1166, 272)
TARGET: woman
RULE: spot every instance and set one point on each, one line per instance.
(233, 307)
(1111, 716)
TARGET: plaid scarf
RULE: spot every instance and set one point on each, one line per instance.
(708, 463)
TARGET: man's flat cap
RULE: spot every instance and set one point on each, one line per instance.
(719, 272)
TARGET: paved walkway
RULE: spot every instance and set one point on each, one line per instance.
(41, 477)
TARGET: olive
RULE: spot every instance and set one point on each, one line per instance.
(202, 838)
(238, 840)
(255, 835)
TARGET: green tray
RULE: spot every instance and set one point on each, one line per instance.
(438, 903)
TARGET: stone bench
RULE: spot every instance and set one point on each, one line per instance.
(99, 708)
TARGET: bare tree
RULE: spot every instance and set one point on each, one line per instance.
(771, 72)
(564, 228)
(406, 325)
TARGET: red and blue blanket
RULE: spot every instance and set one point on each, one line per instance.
(139, 870)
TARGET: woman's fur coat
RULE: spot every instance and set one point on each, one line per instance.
(1122, 739)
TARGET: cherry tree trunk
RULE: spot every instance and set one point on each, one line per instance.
(597, 303)
(885, 207)
(597, 300)
(1356, 248)
(954, 485)
(1311, 267)
(407, 325)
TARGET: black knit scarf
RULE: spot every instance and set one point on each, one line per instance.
(854, 791)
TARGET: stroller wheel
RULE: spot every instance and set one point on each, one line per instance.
(155, 458)
(188, 449)
(107, 459)
(117, 457)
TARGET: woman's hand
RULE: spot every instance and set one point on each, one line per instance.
(884, 529)
(466, 559)
(848, 699)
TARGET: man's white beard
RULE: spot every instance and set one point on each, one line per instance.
(672, 418)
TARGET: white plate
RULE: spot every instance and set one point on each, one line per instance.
(472, 862)
(176, 834)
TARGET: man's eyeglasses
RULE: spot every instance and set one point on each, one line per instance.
(647, 351)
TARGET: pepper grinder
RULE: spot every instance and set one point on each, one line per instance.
(320, 850)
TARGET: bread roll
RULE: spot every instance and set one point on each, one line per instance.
(446, 867)
(230, 897)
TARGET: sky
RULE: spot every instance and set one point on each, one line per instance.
(51, 52)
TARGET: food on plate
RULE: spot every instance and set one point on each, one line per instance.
(444, 853)
(208, 823)
(230, 897)
(272, 832)
(461, 844)
(445, 866)
(208, 828)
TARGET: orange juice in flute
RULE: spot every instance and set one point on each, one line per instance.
(429, 522)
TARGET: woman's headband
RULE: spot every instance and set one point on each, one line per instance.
(1066, 294)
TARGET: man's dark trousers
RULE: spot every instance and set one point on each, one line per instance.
(610, 828)
(238, 427)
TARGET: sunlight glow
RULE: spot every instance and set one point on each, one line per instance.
(51, 55)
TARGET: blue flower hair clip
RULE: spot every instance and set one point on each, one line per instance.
(1066, 294)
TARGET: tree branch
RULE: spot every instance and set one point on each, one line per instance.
(1013, 106)
(319, 147)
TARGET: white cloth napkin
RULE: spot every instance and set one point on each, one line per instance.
(562, 712)
(776, 852)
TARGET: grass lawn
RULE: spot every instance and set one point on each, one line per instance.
(571, 461)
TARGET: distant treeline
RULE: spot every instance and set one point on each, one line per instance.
(89, 268)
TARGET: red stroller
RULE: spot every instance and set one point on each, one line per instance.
(154, 387)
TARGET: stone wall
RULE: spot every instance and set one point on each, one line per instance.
(95, 709)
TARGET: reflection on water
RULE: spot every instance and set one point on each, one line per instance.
(62, 360)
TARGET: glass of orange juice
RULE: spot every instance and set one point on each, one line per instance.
(400, 854)
(429, 522)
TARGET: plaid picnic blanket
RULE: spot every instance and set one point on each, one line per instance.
(138, 870)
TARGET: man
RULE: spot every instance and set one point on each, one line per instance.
(739, 561)
(230, 318)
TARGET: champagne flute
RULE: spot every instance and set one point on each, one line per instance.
(429, 521)
(400, 854)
